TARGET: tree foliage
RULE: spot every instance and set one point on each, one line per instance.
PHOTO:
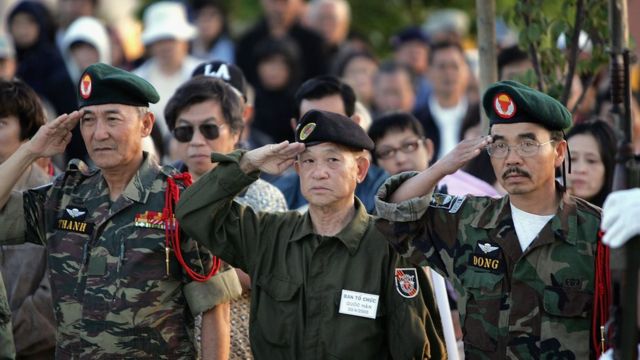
(540, 23)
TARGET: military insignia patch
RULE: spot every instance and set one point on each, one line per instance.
(504, 106)
(149, 219)
(306, 131)
(445, 201)
(487, 256)
(407, 282)
(73, 219)
(85, 86)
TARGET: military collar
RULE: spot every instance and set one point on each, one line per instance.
(350, 236)
(564, 224)
(141, 184)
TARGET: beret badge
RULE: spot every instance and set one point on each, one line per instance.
(504, 106)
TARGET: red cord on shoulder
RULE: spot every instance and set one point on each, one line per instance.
(602, 295)
(172, 228)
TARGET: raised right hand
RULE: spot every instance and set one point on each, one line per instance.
(52, 138)
(463, 152)
(272, 159)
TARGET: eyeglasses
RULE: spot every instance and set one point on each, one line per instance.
(185, 133)
(388, 152)
(526, 148)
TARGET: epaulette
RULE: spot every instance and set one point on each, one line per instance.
(79, 166)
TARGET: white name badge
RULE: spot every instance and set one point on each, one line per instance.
(358, 304)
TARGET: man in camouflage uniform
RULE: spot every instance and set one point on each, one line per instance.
(523, 264)
(7, 347)
(117, 292)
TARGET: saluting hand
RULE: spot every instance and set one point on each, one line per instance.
(52, 138)
(272, 159)
(462, 154)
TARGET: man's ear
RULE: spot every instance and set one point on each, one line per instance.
(561, 152)
(247, 115)
(148, 119)
(363, 163)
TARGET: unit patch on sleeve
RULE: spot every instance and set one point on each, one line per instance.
(407, 282)
(447, 202)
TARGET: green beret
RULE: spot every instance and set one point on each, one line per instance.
(105, 84)
(508, 102)
(322, 126)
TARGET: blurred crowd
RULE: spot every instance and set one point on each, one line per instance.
(417, 103)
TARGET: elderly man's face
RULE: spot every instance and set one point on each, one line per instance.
(113, 134)
(329, 174)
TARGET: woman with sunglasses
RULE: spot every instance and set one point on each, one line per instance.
(205, 116)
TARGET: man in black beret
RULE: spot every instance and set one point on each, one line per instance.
(121, 289)
(325, 283)
(525, 264)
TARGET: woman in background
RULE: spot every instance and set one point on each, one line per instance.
(593, 149)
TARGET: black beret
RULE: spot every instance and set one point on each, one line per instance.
(322, 126)
(105, 84)
(412, 33)
(508, 102)
(229, 73)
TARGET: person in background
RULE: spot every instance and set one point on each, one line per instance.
(278, 70)
(69, 11)
(449, 112)
(166, 36)
(40, 63)
(24, 267)
(328, 93)
(332, 20)
(513, 64)
(593, 151)
(358, 69)
(322, 278)
(7, 58)
(411, 48)
(281, 22)
(250, 138)
(212, 41)
(205, 116)
(393, 88)
(85, 42)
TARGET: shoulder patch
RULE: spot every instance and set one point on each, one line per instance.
(407, 282)
(77, 165)
(447, 202)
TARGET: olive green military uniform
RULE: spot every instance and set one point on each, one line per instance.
(299, 277)
(534, 304)
(113, 298)
(7, 347)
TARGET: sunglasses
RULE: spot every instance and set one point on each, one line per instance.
(185, 133)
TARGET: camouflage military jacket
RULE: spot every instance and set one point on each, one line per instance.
(112, 296)
(302, 282)
(535, 304)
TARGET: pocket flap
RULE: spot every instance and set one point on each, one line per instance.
(567, 302)
(277, 288)
(481, 280)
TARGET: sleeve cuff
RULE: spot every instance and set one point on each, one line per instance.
(204, 296)
(408, 210)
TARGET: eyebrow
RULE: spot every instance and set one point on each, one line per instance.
(211, 118)
(112, 111)
(528, 135)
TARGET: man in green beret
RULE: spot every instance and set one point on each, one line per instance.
(326, 284)
(120, 287)
(523, 264)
